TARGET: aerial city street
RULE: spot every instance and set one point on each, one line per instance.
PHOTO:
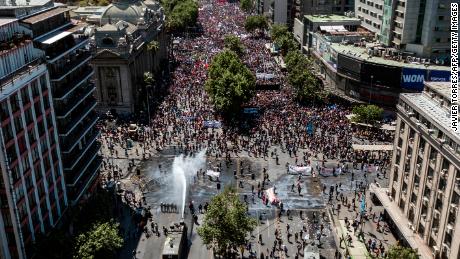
(227, 129)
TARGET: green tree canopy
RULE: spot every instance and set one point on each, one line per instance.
(230, 83)
(99, 242)
(180, 14)
(306, 85)
(153, 46)
(279, 30)
(367, 113)
(286, 44)
(398, 252)
(233, 43)
(295, 59)
(246, 5)
(256, 22)
(149, 79)
(226, 222)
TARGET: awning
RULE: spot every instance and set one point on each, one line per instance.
(401, 221)
(372, 147)
(52, 38)
(336, 28)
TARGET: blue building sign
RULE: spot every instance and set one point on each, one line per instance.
(439, 76)
(413, 78)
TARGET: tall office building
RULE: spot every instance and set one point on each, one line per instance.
(285, 11)
(371, 14)
(422, 27)
(417, 26)
(425, 173)
(65, 47)
(32, 188)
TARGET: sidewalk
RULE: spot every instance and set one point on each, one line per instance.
(357, 249)
(414, 240)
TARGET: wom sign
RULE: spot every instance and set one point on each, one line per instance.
(413, 78)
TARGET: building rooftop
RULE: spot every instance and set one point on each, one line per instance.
(44, 15)
(442, 88)
(361, 53)
(5, 21)
(17, 79)
(432, 110)
(330, 18)
(8, 4)
(90, 9)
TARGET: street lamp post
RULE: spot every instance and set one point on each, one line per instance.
(148, 102)
(370, 92)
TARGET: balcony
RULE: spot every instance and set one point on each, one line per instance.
(62, 89)
(73, 176)
(76, 192)
(69, 142)
(66, 107)
(71, 160)
(25, 70)
(74, 62)
(63, 45)
(65, 126)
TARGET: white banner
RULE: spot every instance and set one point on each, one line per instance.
(212, 173)
(304, 170)
(271, 196)
(330, 171)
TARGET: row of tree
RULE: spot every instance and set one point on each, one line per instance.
(180, 14)
(306, 85)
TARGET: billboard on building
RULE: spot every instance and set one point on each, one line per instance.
(413, 78)
(439, 76)
(349, 66)
(381, 75)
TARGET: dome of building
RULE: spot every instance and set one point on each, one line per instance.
(124, 10)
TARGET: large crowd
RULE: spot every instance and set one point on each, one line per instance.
(306, 132)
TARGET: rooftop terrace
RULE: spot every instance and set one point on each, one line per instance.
(361, 53)
(8, 4)
(330, 18)
(442, 88)
(431, 109)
